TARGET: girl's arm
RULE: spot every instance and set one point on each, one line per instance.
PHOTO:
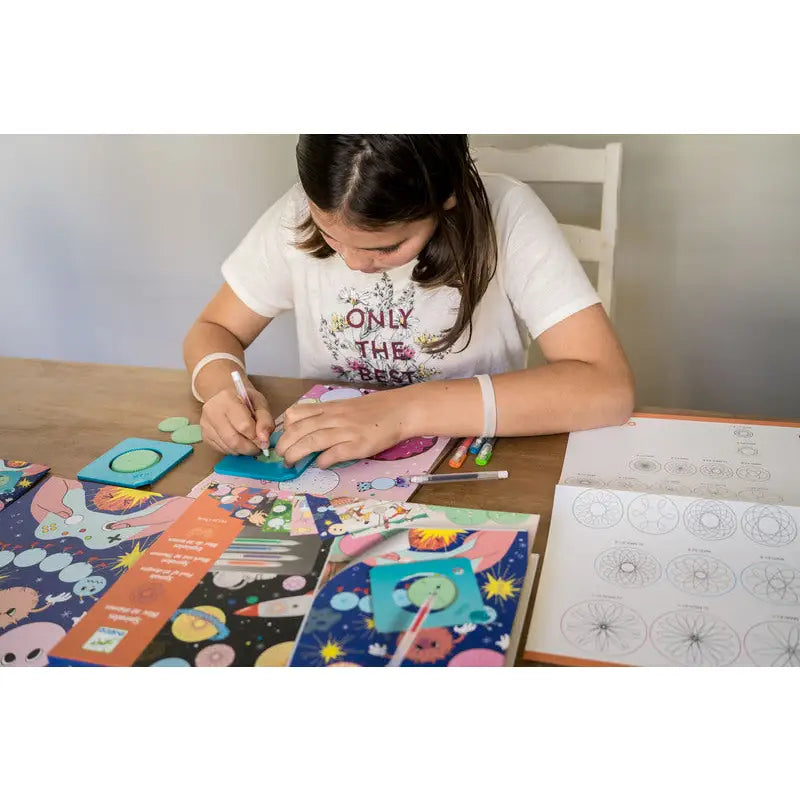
(227, 325)
(586, 384)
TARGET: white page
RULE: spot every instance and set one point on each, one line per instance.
(725, 460)
(650, 580)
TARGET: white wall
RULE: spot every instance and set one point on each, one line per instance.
(707, 267)
(109, 246)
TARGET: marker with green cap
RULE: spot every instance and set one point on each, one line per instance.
(482, 459)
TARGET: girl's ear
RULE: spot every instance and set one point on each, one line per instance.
(450, 203)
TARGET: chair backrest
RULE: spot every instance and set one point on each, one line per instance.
(552, 163)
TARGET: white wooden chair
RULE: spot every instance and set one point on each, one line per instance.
(559, 164)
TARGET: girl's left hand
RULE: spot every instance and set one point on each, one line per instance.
(344, 430)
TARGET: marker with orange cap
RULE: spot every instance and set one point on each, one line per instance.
(460, 455)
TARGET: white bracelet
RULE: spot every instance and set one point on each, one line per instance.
(207, 360)
(489, 405)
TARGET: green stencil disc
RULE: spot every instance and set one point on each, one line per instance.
(445, 589)
(189, 434)
(171, 424)
(135, 461)
(274, 458)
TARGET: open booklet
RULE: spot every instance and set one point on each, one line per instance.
(417, 542)
(673, 541)
(231, 581)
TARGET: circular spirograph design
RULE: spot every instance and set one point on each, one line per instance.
(717, 471)
(710, 519)
(773, 583)
(628, 566)
(670, 487)
(653, 513)
(630, 484)
(775, 643)
(680, 468)
(769, 525)
(585, 480)
(759, 494)
(751, 473)
(700, 575)
(717, 491)
(597, 508)
(604, 627)
(695, 639)
(644, 464)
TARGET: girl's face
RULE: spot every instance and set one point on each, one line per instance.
(375, 250)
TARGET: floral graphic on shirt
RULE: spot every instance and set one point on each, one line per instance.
(373, 336)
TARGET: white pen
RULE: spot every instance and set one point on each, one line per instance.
(463, 476)
(245, 398)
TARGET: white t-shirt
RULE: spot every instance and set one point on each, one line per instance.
(371, 327)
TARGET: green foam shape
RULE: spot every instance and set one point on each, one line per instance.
(171, 424)
(507, 517)
(467, 517)
(189, 434)
(135, 461)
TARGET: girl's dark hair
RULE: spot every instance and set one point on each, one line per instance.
(373, 181)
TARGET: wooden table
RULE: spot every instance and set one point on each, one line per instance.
(65, 415)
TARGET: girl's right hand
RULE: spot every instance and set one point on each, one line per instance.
(228, 426)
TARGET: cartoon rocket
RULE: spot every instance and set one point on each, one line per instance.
(281, 607)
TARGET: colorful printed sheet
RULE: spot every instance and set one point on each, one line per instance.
(227, 585)
(16, 478)
(61, 547)
(339, 630)
(359, 526)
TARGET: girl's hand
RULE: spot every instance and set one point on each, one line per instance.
(344, 430)
(228, 426)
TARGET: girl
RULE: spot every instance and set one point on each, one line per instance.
(406, 268)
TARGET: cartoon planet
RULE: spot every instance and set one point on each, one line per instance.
(343, 393)
(407, 449)
(199, 624)
(171, 662)
(215, 655)
(344, 601)
(477, 657)
(275, 656)
(294, 583)
(55, 562)
(27, 558)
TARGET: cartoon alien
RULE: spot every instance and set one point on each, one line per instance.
(431, 645)
(28, 645)
(89, 586)
(20, 602)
